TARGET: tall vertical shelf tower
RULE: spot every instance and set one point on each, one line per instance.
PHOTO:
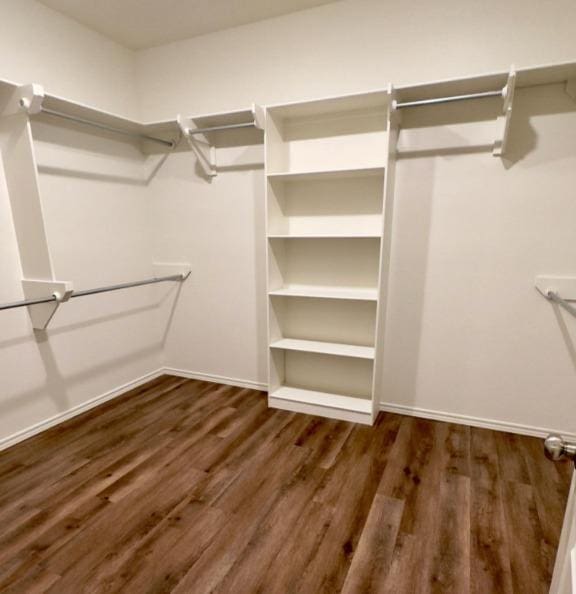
(329, 178)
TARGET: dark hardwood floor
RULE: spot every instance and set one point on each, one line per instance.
(189, 487)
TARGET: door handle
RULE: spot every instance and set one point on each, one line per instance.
(556, 448)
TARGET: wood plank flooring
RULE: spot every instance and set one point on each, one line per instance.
(190, 487)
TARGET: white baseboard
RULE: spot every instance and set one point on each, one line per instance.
(15, 438)
(217, 379)
(434, 415)
(413, 411)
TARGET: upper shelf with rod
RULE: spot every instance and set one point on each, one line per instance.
(491, 84)
(499, 85)
(219, 129)
(206, 133)
(33, 100)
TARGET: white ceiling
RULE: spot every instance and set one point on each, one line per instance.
(139, 24)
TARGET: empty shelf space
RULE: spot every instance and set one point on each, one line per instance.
(326, 173)
(361, 294)
(325, 399)
(330, 207)
(337, 321)
(327, 348)
(301, 138)
(338, 263)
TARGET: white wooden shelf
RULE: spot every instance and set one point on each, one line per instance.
(360, 294)
(334, 104)
(323, 400)
(167, 130)
(327, 348)
(326, 173)
(357, 235)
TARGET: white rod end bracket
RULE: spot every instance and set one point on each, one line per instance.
(25, 99)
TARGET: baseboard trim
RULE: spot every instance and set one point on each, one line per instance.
(471, 421)
(217, 379)
(15, 438)
(412, 411)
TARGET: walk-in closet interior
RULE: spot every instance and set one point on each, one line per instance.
(288, 297)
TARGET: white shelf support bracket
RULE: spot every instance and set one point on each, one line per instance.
(17, 149)
(42, 313)
(205, 153)
(570, 88)
(503, 122)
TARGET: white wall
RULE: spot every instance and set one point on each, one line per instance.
(40, 45)
(218, 327)
(97, 220)
(349, 46)
(467, 335)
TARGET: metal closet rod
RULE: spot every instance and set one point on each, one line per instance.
(553, 296)
(64, 116)
(148, 281)
(436, 100)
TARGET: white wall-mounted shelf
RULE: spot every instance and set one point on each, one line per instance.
(167, 130)
(337, 321)
(334, 406)
(327, 293)
(204, 134)
(319, 174)
(234, 136)
(339, 263)
(327, 205)
(531, 76)
(358, 235)
(327, 348)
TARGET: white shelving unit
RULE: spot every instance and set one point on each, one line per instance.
(329, 166)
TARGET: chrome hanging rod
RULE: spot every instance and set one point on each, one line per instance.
(220, 128)
(436, 100)
(553, 296)
(58, 114)
(148, 281)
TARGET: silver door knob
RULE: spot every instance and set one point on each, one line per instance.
(556, 448)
